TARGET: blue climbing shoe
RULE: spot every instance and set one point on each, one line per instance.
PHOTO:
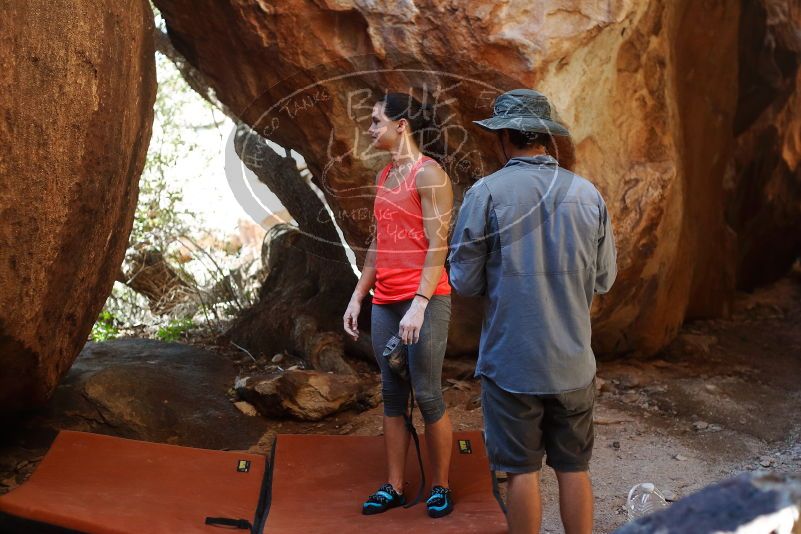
(440, 503)
(382, 500)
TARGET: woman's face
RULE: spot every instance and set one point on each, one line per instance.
(385, 132)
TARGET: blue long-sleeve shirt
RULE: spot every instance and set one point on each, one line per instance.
(536, 241)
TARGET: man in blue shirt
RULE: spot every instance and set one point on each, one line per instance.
(535, 240)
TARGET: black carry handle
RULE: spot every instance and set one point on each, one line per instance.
(242, 524)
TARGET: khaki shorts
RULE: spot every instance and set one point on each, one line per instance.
(520, 429)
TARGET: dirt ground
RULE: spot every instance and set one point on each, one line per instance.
(722, 399)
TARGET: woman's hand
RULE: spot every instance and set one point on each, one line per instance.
(412, 321)
(351, 318)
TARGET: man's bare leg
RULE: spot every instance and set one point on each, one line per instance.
(575, 501)
(396, 444)
(523, 503)
(439, 440)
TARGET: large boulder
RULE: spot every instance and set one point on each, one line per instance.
(153, 391)
(76, 109)
(653, 92)
(137, 389)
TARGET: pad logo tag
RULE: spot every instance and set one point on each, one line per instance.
(464, 446)
(243, 466)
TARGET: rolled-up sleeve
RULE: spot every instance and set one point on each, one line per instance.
(469, 246)
(606, 262)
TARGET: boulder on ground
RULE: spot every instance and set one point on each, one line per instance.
(307, 395)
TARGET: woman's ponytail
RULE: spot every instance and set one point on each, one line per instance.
(422, 119)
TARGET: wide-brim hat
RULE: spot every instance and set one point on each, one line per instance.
(525, 110)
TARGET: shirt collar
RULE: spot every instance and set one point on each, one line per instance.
(544, 159)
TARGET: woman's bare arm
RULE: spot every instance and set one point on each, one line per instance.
(436, 196)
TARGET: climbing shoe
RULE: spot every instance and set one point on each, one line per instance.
(382, 500)
(440, 503)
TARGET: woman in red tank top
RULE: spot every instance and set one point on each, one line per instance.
(405, 264)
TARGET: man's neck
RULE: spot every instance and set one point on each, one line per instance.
(525, 153)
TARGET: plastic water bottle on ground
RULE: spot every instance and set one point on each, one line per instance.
(644, 499)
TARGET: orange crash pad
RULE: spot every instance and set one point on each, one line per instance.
(319, 483)
(102, 484)
(315, 484)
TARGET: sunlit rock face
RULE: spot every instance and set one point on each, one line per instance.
(76, 108)
(658, 97)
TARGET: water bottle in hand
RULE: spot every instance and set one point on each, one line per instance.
(644, 499)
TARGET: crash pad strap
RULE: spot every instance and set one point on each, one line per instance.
(243, 524)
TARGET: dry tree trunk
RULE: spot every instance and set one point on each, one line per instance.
(310, 280)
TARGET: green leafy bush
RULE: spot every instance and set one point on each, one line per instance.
(174, 330)
(104, 328)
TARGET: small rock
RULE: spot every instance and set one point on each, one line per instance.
(697, 343)
(700, 425)
(669, 495)
(608, 387)
(278, 358)
(715, 428)
(246, 408)
(615, 444)
(712, 388)
(460, 385)
(766, 461)
(599, 383)
(631, 377)
(679, 457)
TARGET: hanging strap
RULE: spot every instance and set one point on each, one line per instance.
(413, 431)
(496, 492)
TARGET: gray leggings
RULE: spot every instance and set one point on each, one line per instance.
(425, 357)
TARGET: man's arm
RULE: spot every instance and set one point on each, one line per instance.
(606, 262)
(470, 244)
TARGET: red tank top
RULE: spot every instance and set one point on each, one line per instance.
(401, 242)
